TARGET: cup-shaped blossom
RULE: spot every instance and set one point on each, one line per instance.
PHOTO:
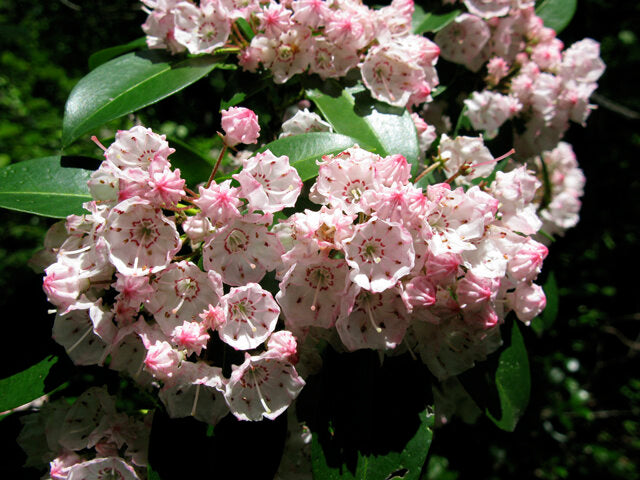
(311, 291)
(453, 346)
(136, 147)
(108, 467)
(343, 179)
(196, 391)
(141, 239)
(390, 75)
(75, 331)
(379, 253)
(181, 292)
(243, 251)
(240, 126)
(251, 315)
(270, 183)
(462, 41)
(84, 418)
(203, 29)
(263, 386)
(374, 320)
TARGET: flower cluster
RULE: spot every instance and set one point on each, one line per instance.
(314, 36)
(528, 73)
(89, 439)
(393, 267)
(144, 280)
(127, 288)
(161, 281)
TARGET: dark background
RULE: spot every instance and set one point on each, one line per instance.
(583, 420)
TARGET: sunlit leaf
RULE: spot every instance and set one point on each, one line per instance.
(44, 187)
(25, 386)
(104, 55)
(305, 149)
(423, 22)
(513, 381)
(376, 126)
(556, 14)
(126, 84)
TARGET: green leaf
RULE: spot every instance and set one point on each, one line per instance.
(152, 474)
(245, 29)
(556, 14)
(376, 126)
(104, 55)
(44, 187)
(25, 386)
(126, 84)
(513, 381)
(423, 22)
(236, 98)
(548, 316)
(303, 150)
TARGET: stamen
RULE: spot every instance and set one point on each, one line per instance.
(315, 296)
(97, 142)
(175, 310)
(195, 400)
(264, 404)
(370, 314)
(90, 329)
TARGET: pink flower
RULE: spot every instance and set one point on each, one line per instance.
(162, 360)
(219, 202)
(192, 336)
(527, 301)
(240, 125)
(270, 183)
(283, 344)
(379, 253)
(251, 315)
(263, 386)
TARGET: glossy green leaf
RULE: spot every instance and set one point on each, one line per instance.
(423, 22)
(305, 149)
(25, 386)
(245, 29)
(126, 84)
(103, 56)
(556, 14)
(374, 125)
(235, 99)
(44, 187)
(548, 316)
(513, 381)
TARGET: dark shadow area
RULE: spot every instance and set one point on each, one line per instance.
(357, 405)
(236, 449)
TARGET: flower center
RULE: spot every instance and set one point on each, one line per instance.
(236, 241)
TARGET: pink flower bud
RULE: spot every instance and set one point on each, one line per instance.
(240, 125)
(283, 344)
